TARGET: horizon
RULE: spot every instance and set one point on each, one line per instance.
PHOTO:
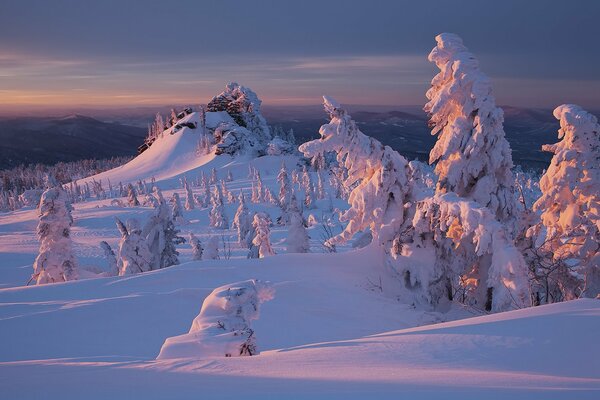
(54, 56)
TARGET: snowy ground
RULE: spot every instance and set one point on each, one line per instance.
(329, 332)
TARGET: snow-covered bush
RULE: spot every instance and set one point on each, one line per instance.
(473, 157)
(134, 256)
(222, 329)
(377, 176)
(262, 235)
(568, 236)
(56, 260)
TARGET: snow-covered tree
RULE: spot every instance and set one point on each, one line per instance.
(569, 232)
(161, 234)
(460, 252)
(262, 236)
(111, 259)
(189, 195)
(377, 176)
(134, 256)
(131, 196)
(212, 248)
(213, 176)
(242, 221)
(196, 247)
(285, 189)
(472, 154)
(320, 192)
(229, 176)
(222, 329)
(298, 239)
(217, 216)
(227, 195)
(177, 209)
(56, 260)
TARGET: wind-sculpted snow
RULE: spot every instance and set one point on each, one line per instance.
(473, 157)
(377, 175)
(222, 329)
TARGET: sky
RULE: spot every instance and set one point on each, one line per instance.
(126, 53)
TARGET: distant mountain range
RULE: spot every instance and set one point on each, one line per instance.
(26, 140)
(406, 130)
(51, 139)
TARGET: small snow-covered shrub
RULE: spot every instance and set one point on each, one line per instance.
(223, 327)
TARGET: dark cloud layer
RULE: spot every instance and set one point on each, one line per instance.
(365, 51)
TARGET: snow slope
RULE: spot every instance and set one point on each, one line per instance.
(172, 154)
(322, 336)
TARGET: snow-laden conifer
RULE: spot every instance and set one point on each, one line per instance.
(56, 261)
(473, 158)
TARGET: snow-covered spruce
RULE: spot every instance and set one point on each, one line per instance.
(131, 196)
(377, 176)
(189, 195)
(466, 256)
(242, 222)
(161, 234)
(56, 260)
(262, 235)
(569, 231)
(177, 209)
(222, 329)
(473, 157)
(134, 256)
(197, 249)
(217, 216)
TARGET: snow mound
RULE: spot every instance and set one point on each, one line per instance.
(223, 326)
